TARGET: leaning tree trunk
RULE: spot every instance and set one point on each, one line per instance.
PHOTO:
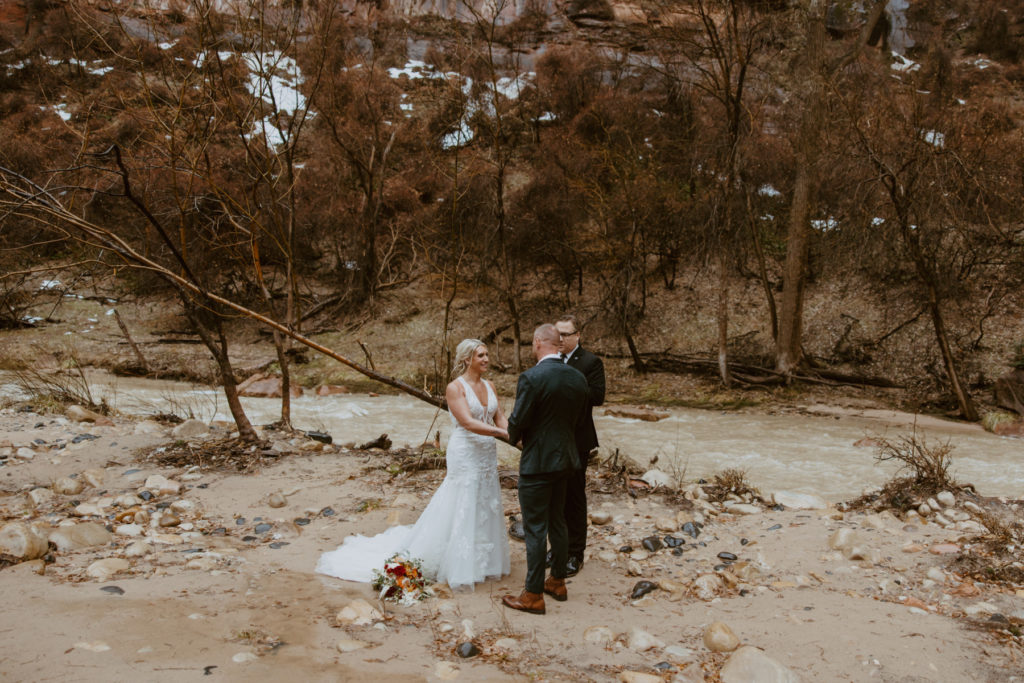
(214, 339)
(788, 354)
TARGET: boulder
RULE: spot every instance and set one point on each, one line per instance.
(1014, 429)
(751, 665)
(20, 542)
(1009, 391)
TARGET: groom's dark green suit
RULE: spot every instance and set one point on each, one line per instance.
(551, 401)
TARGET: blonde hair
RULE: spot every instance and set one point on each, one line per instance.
(463, 352)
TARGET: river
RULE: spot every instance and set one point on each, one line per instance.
(812, 452)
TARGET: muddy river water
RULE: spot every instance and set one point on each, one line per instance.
(812, 452)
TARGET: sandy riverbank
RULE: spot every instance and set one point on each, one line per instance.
(218, 593)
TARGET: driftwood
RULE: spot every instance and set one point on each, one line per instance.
(755, 375)
(131, 342)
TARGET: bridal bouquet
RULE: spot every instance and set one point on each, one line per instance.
(401, 581)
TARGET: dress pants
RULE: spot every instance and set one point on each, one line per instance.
(542, 501)
(576, 509)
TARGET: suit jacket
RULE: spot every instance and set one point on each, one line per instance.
(593, 369)
(551, 401)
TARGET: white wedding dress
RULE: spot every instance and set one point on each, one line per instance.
(460, 537)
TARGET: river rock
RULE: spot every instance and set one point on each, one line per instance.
(751, 665)
(970, 526)
(665, 524)
(130, 530)
(719, 638)
(80, 414)
(88, 510)
(266, 386)
(640, 640)
(40, 496)
(924, 509)
(600, 517)
(842, 539)
(20, 542)
(168, 520)
(93, 477)
(24, 453)
(944, 549)
(190, 429)
(706, 586)
(350, 645)
(946, 499)
(162, 485)
(358, 613)
(799, 501)
(598, 635)
(655, 478)
(138, 549)
(81, 535)
(66, 486)
(638, 677)
(277, 500)
(742, 509)
(104, 569)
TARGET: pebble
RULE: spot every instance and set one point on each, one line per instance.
(183, 507)
(279, 544)
(652, 544)
(93, 646)
(93, 477)
(104, 569)
(113, 590)
(642, 588)
(640, 640)
(742, 509)
(727, 556)
(749, 664)
(358, 613)
(638, 677)
(129, 530)
(66, 486)
(162, 485)
(946, 499)
(600, 517)
(40, 496)
(24, 453)
(244, 658)
(691, 529)
(276, 500)
(944, 549)
(674, 541)
(665, 524)
(639, 555)
(467, 649)
(719, 638)
(936, 574)
(706, 586)
(799, 501)
(842, 539)
(598, 635)
(138, 549)
(190, 429)
(350, 645)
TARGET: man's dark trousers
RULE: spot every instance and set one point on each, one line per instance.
(542, 499)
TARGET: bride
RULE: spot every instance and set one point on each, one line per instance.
(460, 537)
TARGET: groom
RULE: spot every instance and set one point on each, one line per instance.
(551, 399)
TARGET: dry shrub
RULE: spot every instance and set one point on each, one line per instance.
(927, 469)
(997, 555)
(728, 482)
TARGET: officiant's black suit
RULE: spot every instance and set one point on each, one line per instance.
(586, 441)
(551, 401)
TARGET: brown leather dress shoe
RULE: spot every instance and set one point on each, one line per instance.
(556, 589)
(526, 602)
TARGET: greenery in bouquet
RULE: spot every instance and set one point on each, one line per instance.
(401, 581)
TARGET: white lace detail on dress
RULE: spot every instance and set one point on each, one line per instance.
(460, 537)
